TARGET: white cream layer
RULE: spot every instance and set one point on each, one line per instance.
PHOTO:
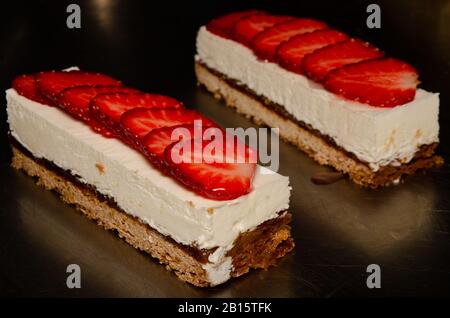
(378, 136)
(141, 190)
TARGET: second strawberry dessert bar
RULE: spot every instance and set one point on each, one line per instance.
(337, 98)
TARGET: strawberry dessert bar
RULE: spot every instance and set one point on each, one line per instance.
(337, 98)
(114, 153)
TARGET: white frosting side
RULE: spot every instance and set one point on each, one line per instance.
(139, 189)
(378, 136)
(219, 273)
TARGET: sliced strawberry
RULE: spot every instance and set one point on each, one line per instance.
(266, 42)
(75, 100)
(50, 84)
(223, 25)
(383, 82)
(26, 86)
(247, 28)
(290, 54)
(108, 108)
(157, 140)
(214, 169)
(136, 123)
(100, 128)
(317, 64)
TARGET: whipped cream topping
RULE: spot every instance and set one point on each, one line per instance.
(377, 136)
(124, 174)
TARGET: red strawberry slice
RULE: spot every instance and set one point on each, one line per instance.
(75, 100)
(317, 64)
(26, 86)
(223, 25)
(100, 128)
(137, 122)
(290, 54)
(383, 82)
(266, 42)
(108, 108)
(50, 84)
(247, 28)
(217, 171)
(157, 140)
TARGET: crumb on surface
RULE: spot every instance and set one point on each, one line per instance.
(100, 167)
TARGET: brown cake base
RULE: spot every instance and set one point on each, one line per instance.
(319, 147)
(259, 248)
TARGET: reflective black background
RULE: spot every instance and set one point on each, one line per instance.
(339, 229)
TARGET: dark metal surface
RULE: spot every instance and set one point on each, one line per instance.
(339, 229)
